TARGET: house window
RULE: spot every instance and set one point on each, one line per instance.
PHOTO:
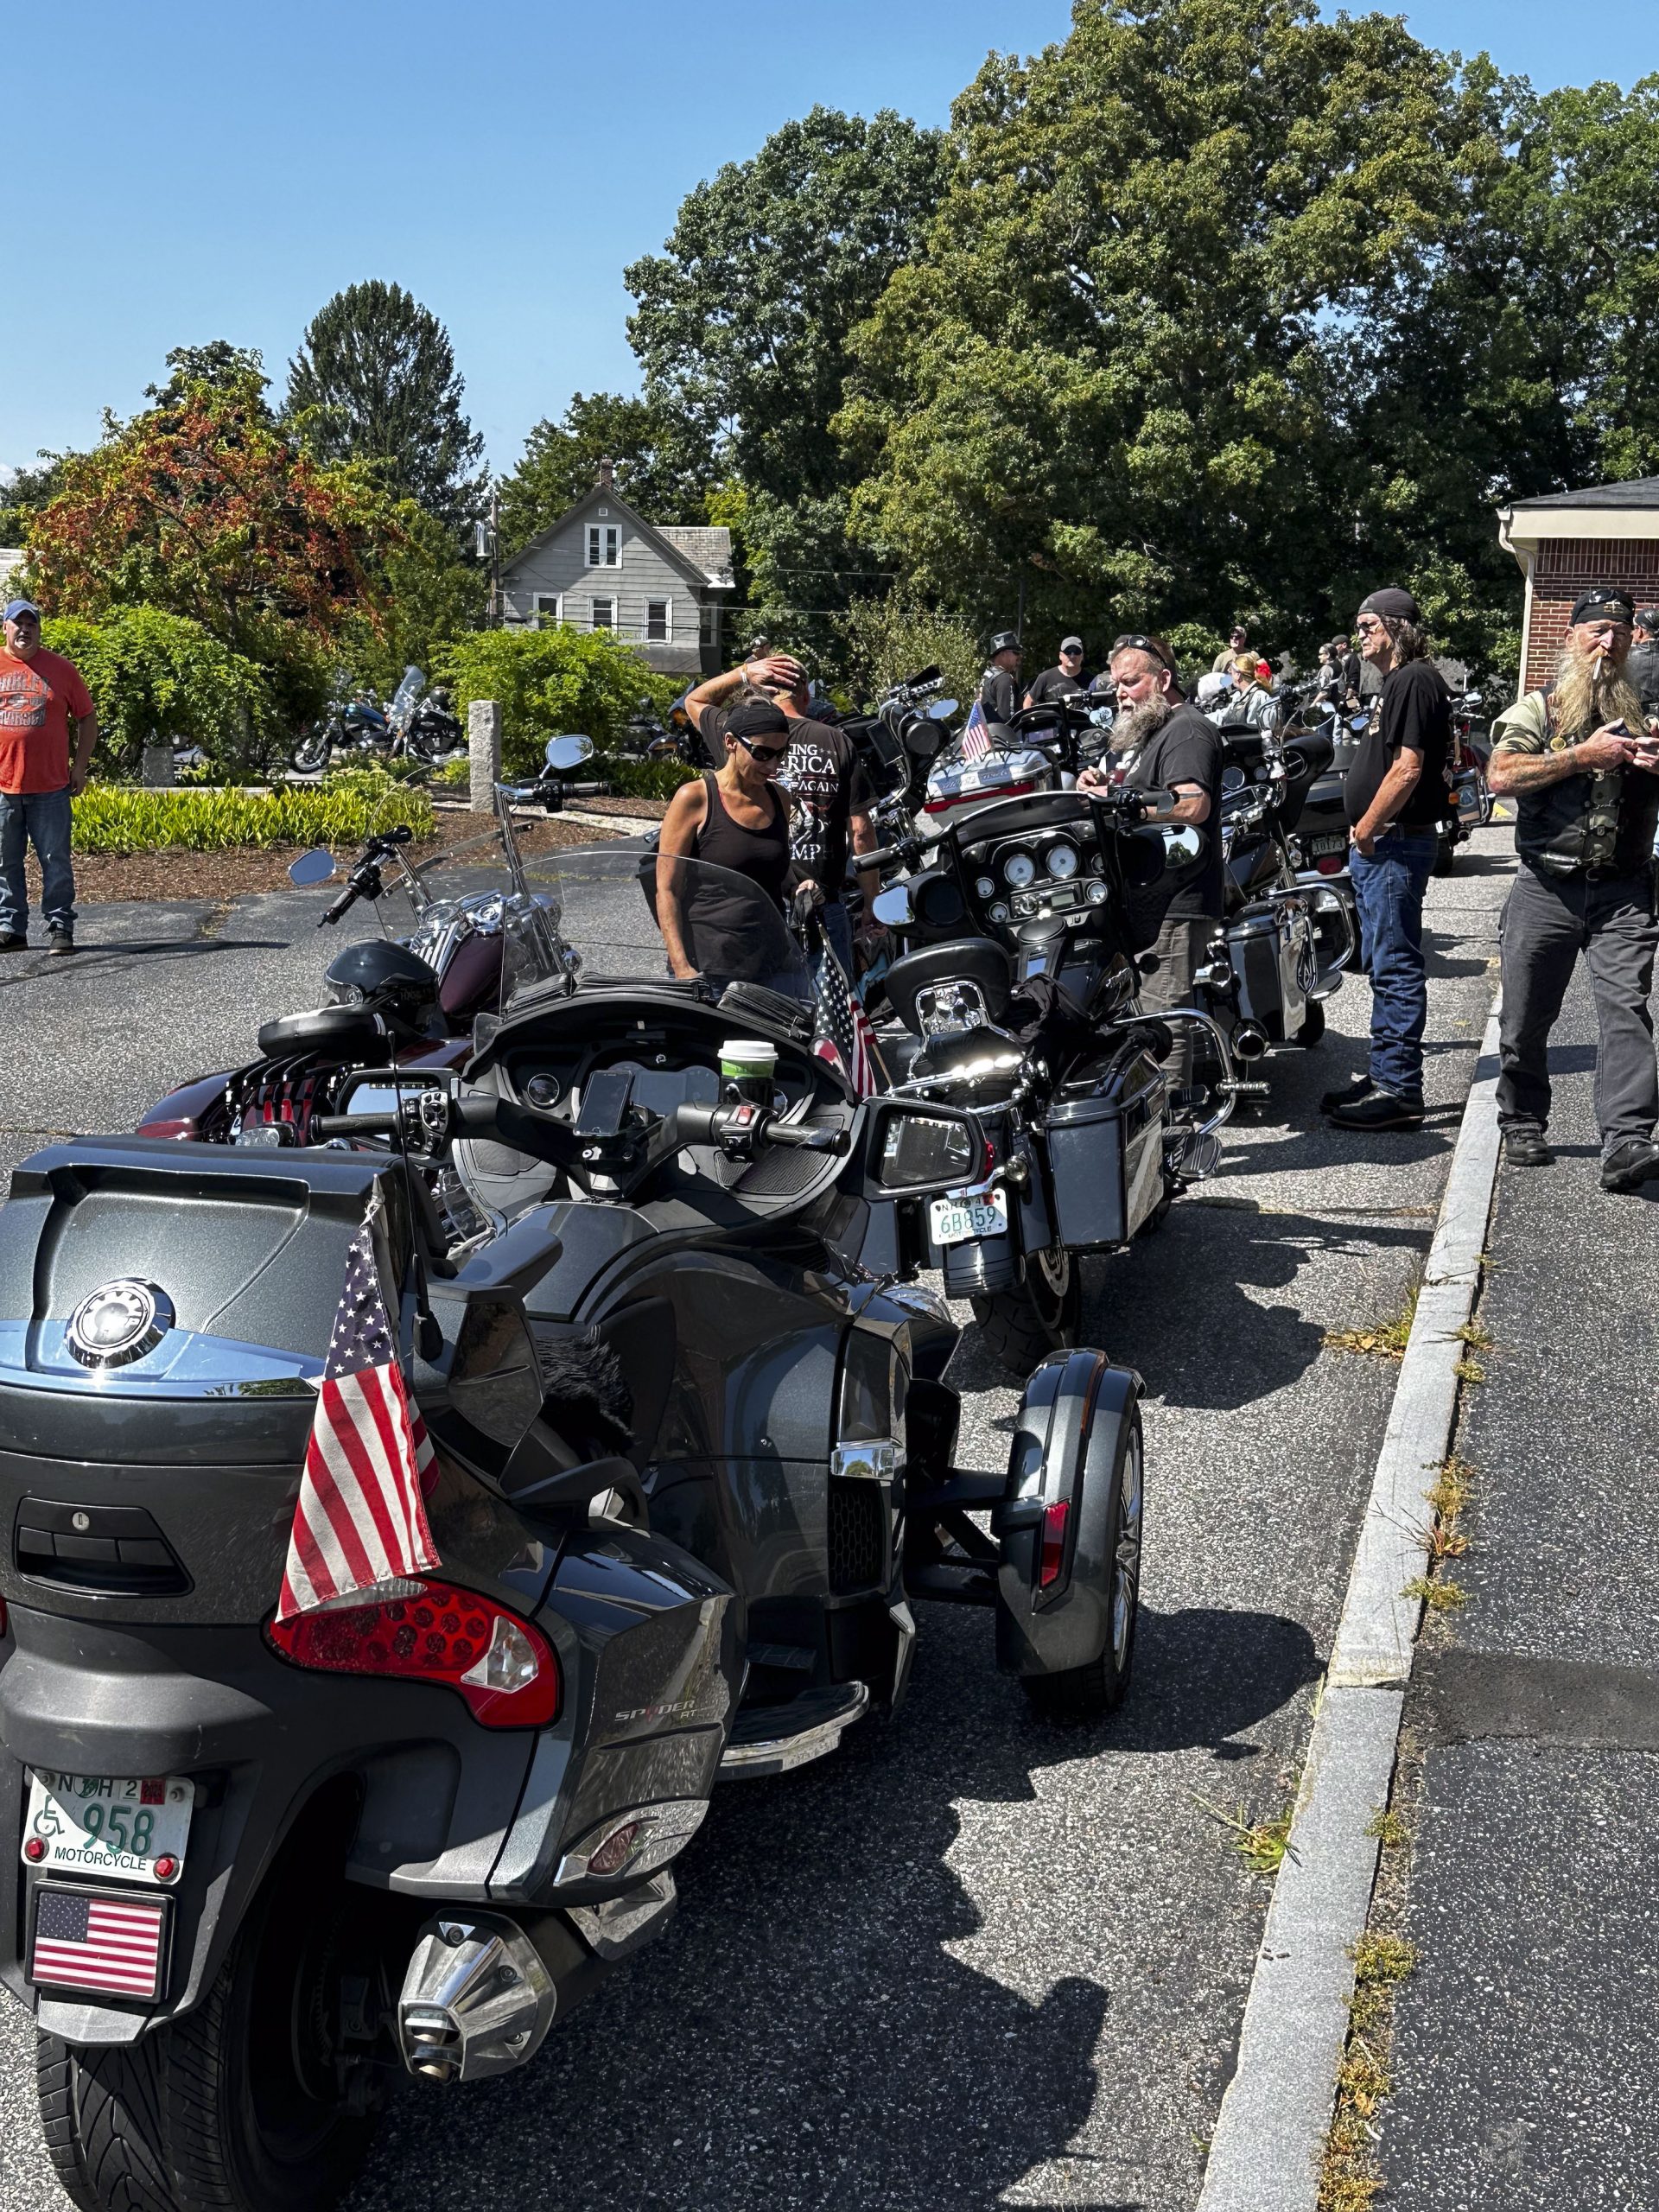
(709, 623)
(659, 622)
(604, 545)
(604, 614)
(548, 607)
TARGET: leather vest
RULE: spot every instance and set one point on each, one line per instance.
(1591, 826)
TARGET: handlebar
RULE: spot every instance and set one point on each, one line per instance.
(341, 903)
(481, 1113)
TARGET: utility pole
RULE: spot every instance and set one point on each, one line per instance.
(487, 546)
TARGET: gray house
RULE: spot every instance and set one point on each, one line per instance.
(602, 567)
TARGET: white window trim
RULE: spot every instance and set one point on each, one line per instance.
(597, 534)
(545, 606)
(598, 598)
(666, 603)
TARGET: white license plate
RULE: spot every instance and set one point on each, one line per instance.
(99, 1824)
(953, 1221)
(1329, 845)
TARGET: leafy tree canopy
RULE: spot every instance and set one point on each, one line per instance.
(659, 470)
(550, 681)
(375, 381)
(1117, 368)
(150, 671)
(218, 362)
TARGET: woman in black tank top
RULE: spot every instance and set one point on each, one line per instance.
(736, 821)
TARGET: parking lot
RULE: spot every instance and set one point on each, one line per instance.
(973, 1959)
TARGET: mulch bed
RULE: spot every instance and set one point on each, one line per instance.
(106, 878)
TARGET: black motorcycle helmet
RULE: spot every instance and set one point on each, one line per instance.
(387, 979)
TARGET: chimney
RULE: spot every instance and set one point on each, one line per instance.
(607, 473)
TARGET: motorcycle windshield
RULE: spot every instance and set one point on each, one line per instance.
(404, 698)
(622, 914)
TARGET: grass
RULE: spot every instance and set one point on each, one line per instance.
(1384, 1339)
(1469, 1371)
(120, 818)
(1390, 1830)
(1348, 2180)
(1445, 1538)
(1439, 1595)
(1262, 1844)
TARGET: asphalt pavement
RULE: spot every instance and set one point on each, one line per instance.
(1523, 2045)
(973, 1958)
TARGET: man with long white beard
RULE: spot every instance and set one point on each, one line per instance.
(1583, 768)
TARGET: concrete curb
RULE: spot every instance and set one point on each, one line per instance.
(1269, 2138)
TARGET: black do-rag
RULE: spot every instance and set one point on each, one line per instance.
(757, 718)
(1392, 604)
(1611, 606)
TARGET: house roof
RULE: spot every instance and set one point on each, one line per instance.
(703, 556)
(1637, 492)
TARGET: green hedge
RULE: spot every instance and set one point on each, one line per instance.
(117, 818)
(638, 778)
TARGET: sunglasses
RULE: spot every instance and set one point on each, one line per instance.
(1132, 641)
(762, 751)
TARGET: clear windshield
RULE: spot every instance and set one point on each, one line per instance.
(622, 914)
(404, 698)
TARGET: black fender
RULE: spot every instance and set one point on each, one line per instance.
(1074, 1425)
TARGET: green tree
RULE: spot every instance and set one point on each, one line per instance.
(550, 681)
(375, 381)
(1117, 370)
(23, 496)
(658, 471)
(886, 639)
(150, 672)
(425, 594)
(218, 362)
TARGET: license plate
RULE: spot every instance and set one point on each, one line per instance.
(1329, 845)
(96, 1824)
(953, 1221)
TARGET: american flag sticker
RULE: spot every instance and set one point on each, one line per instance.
(99, 1939)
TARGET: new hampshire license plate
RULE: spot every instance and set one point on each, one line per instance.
(103, 1824)
(953, 1221)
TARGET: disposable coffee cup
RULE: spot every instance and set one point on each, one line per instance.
(743, 1059)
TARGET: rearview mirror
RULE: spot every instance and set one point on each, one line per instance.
(564, 754)
(941, 710)
(892, 907)
(315, 867)
(917, 1150)
(1182, 847)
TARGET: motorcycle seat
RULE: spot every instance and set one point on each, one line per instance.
(340, 1032)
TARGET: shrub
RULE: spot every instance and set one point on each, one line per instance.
(638, 779)
(550, 681)
(886, 640)
(148, 670)
(118, 818)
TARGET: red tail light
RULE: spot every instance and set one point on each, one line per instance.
(427, 1631)
(1053, 1557)
(1332, 864)
(173, 1128)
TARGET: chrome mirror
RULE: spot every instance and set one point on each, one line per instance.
(563, 754)
(315, 867)
(892, 907)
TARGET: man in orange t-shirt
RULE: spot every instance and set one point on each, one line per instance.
(41, 693)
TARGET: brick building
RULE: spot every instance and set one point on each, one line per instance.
(1607, 534)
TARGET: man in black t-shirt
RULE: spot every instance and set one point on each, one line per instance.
(1171, 747)
(1395, 795)
(1069, 680)
(999, 687)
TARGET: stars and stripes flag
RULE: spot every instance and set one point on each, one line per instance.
(95, 1942)
(975, 735)
(843, 1035)
(360, 1519)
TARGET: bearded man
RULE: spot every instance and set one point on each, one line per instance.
(1583, 768)
(1163, 744)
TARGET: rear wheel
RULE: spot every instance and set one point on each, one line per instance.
(237, 2105)
(1087, 1692)
(1023, 1325)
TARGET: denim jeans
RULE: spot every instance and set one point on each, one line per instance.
(43, 818)
(838, 926)
(1388, 887)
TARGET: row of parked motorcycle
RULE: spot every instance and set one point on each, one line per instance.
(416, 723)
(661, 1280)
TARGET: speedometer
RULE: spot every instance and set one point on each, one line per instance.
(1061, 862)
(1020, 868)
(986, 888)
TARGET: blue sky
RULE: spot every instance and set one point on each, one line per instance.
(195, 171)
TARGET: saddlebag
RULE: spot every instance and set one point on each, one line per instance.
(1106, 1156)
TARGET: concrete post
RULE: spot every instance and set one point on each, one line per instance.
(484, 743)
(156, 773)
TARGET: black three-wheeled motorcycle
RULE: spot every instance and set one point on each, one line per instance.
(694, 1466)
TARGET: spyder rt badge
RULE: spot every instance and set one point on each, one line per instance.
(120, 1322)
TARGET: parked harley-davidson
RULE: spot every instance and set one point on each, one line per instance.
(1020, 988)
(693, 1466)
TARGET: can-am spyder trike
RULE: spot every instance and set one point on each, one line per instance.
(693, 1466)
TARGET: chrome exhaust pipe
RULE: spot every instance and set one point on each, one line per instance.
(477, 1999)
(1249, 1042)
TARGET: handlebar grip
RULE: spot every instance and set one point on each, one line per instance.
(792, 1135)
(356, 1125)
(346, 900)
(481, 1113)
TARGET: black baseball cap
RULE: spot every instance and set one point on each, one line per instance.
(1649, 618)
(1611, 606)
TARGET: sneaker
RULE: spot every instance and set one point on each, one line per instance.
(61, 941)
(1361, 1087)
(1629, 1165)
(1524, 1146)
(13, 941)
(1380, 1110)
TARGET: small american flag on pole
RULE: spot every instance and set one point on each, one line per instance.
(112, 1943)
(843, 1035)
(975, 735)
(359, 1520)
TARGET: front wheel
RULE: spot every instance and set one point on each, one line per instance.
(1021, 1325)
(310, 755)
(237, 2105)
(1089, 1692)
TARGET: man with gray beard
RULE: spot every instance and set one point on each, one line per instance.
(1583, 768)
(1162, 744)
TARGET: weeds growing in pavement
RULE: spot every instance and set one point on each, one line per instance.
(1445, 1538)
(1478, 1337)
(1469, 1371)
(1349, 2179)
(1439, 1595)
(1390, 1830)
(1263, 1846)
(1384, 1339)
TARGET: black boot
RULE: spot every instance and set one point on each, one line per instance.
(1382, 1110)
(1361, 1087)
(1629, 1165)
(1524, 1146)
